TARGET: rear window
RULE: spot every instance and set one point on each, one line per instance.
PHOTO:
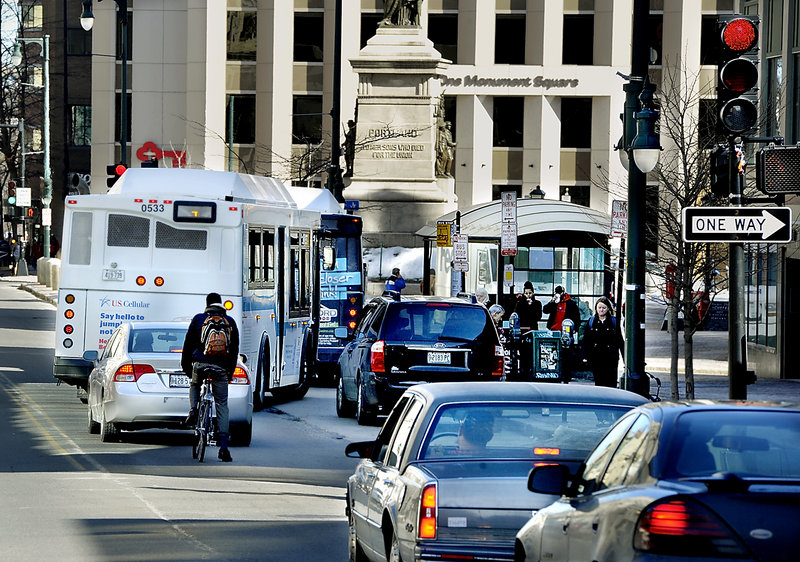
(435, 321)
(168, 340)
(518, 431)
(747, 443)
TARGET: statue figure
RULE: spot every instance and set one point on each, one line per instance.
(349, 148)
(401, 13)
(445, 150)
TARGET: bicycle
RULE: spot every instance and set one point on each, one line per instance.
(654, 397)
(204, 429)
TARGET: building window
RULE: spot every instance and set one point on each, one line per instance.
(508, 116)
(443, 31)
(80, 127)
(578, 194)
(498, 189)
(244, 119)
(449, 106)
(309, 28)
(79, 42)
(576, 122)
(707, 124)
(761, 294)
(369, 25)
(709, 40)
(509, 39)
(796, 99)
(129, 34)
(773, 100)
(578, 41)
(773, 34)
(118, 118)
(307, 119)
(31, 15)
(655, 37)
(242, 36)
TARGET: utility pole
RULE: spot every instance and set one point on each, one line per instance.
(335, 181)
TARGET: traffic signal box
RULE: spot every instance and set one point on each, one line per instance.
(737, 73)
(114, 172)
(12, 193)
(778, 169)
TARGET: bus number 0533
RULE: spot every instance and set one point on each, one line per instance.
(152, 208)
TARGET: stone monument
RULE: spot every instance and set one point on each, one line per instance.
(394, 172)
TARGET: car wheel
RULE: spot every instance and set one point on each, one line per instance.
(356, 553)
(344, 407)
(363, 414)
(393, 549)
(108, 430)
(93, 426)
(241, 434)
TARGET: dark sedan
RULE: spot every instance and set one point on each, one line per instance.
(698, 480)
(446, 477)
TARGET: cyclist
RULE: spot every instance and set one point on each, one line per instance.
(212, 345)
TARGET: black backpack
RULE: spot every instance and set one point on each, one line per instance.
(215, 336)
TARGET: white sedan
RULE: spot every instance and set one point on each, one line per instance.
(137, 383)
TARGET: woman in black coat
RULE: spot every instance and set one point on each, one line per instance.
(528, 308)
(603, 343)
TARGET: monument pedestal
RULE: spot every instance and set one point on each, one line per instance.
(396, 129)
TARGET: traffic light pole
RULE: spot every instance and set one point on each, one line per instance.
(737, 346)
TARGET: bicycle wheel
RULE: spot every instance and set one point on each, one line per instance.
(204, 425)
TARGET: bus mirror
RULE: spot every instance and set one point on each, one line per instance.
(328, 258)
(340, 332)
(91, 355)
(243, 357)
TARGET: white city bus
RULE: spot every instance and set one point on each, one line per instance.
(161, 239)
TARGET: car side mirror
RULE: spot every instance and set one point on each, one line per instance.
(341, 333)
(552, 479)
(91, 355)
(359, 450)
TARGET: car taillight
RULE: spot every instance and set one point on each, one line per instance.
(427, 513)
(377, 357)
(499, 361)
(678, 527)
(239, 376)
(131, 373)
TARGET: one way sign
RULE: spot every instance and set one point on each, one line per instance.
(737, 224)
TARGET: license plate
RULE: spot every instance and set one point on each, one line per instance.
(179, 381)
(438, 358)
(113, 275)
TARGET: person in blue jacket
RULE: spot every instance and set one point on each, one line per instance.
(395, 281)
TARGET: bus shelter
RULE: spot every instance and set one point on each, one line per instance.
(558, 243)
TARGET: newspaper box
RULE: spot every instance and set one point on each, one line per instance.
(540, 356)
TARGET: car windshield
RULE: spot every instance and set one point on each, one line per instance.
(518, 430)
(748, 443)
(432, 321)
(157, 340)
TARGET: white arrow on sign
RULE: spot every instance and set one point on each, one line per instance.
(766, 225)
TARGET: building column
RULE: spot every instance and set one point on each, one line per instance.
(476, 32)
(104, 80)
(473, 165)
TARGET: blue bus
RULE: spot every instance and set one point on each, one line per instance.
(341, 288)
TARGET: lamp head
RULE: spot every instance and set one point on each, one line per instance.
(87, 17)
(16, 56)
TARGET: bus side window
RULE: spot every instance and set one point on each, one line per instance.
(261, 252)
(80, 243)
(328, 258)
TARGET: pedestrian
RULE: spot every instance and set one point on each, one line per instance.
(482, 296)
(497, 312)
(15, 254)
(603, 344)
(395, 281)
(528, 308)
(212, 341)
(561, 307)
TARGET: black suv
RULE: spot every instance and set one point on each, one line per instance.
(402, 341)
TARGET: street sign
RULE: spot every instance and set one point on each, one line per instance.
(508, 239)
(23, 197)
(47, 217)
(766, 225)
(443, 230)
(460, 245)
(508, 275)
(619, 218)
(460, 266)
(352, 205)
(509, 206)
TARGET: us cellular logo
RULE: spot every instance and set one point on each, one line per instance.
(121, 303)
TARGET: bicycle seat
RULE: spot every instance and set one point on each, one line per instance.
(209, 371)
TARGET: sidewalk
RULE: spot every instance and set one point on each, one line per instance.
(710, 354)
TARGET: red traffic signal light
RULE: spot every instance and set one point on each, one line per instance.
(114, 172)
(737, 73)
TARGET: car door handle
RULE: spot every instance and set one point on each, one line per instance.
(595, 525)
(388, 482)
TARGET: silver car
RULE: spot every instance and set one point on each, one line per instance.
(137, 383)
(447, 476)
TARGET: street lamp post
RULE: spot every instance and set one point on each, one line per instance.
(642, 148)
(87, 22)
(47, 184)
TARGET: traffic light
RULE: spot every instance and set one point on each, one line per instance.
(720, 175)
(30, 212)
(114, 172)
(778, 169)
(12, 193)
(737, 74)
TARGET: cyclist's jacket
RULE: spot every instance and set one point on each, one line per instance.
(216, 326)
